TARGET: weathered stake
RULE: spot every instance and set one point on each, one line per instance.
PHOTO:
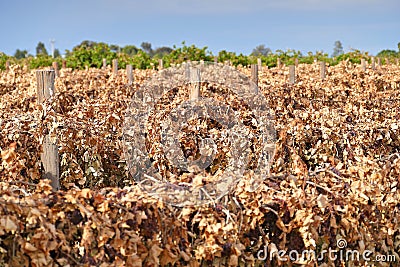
(373, 63)
(322, 70)
(45, 84)
(363, 64)
(129, 74)
(49, 157)
(50, 162)
(387, 61)
(254, 73)
(259, 64)
(104, 63)
(64, 64)
(56, 68)
(8, 65)
(195, 79)
(296, 62)
(279, 63)
(160, 64)
(115, 66)
(292, 74)
(379, 61)
(215, 59)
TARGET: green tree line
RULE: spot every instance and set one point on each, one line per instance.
(91, 54)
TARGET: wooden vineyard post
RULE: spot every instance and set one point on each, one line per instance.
(373, 63)
(104, 63)
(64, 64)
(296, 62)
(160, 64)
(56, 68)
(279, 63)
(292, 74)
(322, 70)
(129, 74)
(254, 73)
(363, 65)
(379, 61)
(49, 156)
(259, 64)
(115, 66)
(45, 84)
(7, 65)
(195, 79)
(215, 59)
(387, 61)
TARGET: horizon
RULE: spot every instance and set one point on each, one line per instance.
(235, 26)
(183, 43)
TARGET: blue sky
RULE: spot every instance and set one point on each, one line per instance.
(232, 25)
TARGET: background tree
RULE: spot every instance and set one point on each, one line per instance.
(387, 53)
(57, 53)
(130, 50)
(41, 49)
(86, 44)
(161, 51)
(115, 48)
(21, 54)
(261, 50)
(146, 46)
(338, 49)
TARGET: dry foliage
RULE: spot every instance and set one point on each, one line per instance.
(335, 176)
